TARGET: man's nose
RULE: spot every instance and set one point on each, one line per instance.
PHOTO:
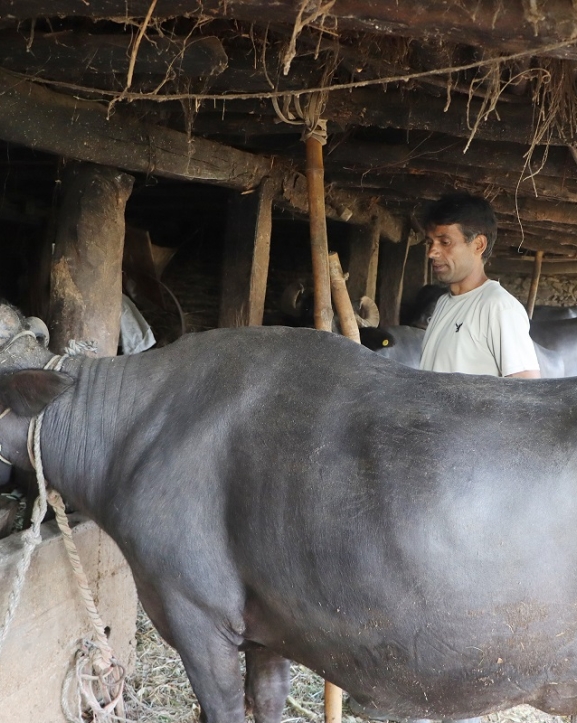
(433, 251)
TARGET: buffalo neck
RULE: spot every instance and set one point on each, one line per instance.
(85, 430)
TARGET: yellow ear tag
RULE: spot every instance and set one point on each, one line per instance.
(385, 342)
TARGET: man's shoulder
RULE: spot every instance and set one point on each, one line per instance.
(494, 293)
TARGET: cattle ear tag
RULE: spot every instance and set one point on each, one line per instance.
(385, 342)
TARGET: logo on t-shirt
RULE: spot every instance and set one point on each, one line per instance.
(457, 327)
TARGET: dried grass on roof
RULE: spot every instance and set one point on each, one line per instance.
(159, 692)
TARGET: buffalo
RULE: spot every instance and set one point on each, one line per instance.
(407, 535)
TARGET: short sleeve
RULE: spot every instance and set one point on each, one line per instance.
(509, 336)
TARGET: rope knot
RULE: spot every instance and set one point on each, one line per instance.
(77, 347)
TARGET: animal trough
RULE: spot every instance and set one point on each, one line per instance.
(51, 621)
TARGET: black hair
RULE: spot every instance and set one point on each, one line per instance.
(472, 213)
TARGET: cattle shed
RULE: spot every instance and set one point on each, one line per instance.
(202, 155)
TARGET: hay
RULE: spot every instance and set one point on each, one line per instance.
(159, 692)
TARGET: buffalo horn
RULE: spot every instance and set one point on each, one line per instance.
(40, 330)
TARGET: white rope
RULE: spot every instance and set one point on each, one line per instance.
(30, 539)
(101, 691)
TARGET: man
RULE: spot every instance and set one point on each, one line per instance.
(478, 327)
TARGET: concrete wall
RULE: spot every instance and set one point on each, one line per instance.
(51, 618)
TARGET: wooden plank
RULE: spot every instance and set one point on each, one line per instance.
(363, 261)
(393, 257)
(39, 118)
(86, 281)
(246, 255)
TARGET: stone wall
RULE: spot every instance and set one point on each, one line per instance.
(552, 291)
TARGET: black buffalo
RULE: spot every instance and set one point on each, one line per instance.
(560, 337)
(408, 535)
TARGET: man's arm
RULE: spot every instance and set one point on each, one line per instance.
(529, 374)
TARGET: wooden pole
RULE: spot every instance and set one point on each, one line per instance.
(333, 703)
(86, 278)
(364, 259)
(343, 306)
(323, 312)
(393, 257)
(534, 283)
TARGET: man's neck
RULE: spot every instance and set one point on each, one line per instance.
(468, 284)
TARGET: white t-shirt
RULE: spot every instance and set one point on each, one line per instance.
(484, 331)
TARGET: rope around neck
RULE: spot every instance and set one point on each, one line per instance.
(99, 677)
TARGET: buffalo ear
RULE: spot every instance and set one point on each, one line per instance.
(27, 392)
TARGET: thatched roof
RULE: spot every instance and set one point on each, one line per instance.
(419, 97)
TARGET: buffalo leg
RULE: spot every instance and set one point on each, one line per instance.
(209, 653)
(267, 684)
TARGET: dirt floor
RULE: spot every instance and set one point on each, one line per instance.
(159, 692)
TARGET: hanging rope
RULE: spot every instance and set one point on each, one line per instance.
(309, 115)
(98, 676)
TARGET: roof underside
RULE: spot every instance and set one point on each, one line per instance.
(419, 97)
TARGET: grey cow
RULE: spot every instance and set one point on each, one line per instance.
(408, 535)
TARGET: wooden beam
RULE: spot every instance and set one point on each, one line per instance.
(356, 208)
(39, 118)
(524, 267)
(35, 117)
(246, 257)
(560, 244)
(509, 27)
(103, 60)
(449, 152)
(86, 279)
(417, 110)
(528, 209)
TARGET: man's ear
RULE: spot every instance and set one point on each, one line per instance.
(29, 391)
(480, 242)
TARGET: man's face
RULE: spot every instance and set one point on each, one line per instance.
(453, 259)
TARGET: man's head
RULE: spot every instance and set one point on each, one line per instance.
(460, 233)
(472, 213)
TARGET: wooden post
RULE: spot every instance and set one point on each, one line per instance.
(333, 703)
(323, 314)
(534, 283)
(319, 242)
(343, 306)
(246, 257)
(392, 263)
(86, 275)
(416, 271)
(363, 264)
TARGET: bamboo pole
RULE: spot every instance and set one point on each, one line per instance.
(343, 306)
(323, 312)
(534, 283)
